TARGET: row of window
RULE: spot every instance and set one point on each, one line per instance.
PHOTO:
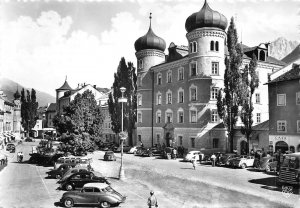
(214, 46)
(180, 95)
(282, 126)
(193, 72)
(180, 116)
(281, 99)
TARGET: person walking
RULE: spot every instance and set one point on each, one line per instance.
(152, 201)
(213, 160)
(194, 163)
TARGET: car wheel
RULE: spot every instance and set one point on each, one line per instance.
(58, 176)
(243, 166)
(105, 204)
(69, 187)
(68, 202)
(268, 169)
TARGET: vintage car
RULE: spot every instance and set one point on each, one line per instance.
(243, 161)
(76, 170)
(290, 170)
(267, 164)
(83, 161)
(225, 159)
(109, 156)
(77, 180)
(99, 194)
(10, 147)
(140, 151)
(126, 148)
(59, 172)
(147, 153)
(133, 150)
(195, 154)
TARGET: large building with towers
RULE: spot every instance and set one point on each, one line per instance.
(177, 93)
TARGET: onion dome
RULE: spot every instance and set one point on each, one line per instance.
(150, 41)
(206, 17)
(65, 86)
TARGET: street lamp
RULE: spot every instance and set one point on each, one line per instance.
(123, 135)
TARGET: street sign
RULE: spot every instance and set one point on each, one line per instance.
(123, 135)
(122, 100)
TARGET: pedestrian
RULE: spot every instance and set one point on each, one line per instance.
(163, 146)
(213, 160)
(263, 153)
(21, 156)
(252, 152)
(152, 201)
(142, 145)
(174, 151)
(194, 162)
(18, 156)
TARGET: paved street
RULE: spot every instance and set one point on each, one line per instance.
(175, 184)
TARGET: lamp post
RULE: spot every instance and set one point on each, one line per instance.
(123, 135)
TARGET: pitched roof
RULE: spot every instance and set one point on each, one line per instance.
(293, 56)
(52, 107)
(65, 86)
(264, 126)
(292, 74)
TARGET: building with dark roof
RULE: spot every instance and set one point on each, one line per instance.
(284, 110)
(177, 93)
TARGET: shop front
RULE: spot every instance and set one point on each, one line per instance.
(284, 142)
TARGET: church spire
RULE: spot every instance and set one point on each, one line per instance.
(150, 17)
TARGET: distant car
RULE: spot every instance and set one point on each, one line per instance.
(198, 155)
(59, 172)
(267, 164)
(147, 153)
(10, 147)
(77, 169)
(140, 151)
(109, 156)
(126, 148)
(77, 180)
(28, 139)
(225, 159)
(243, 161)
(133, 150)
(93, 194)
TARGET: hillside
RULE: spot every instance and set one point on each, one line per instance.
(293, 56)
(9, 87)
(281, 47)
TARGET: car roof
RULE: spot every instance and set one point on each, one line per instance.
(96, 185)
(193, 151)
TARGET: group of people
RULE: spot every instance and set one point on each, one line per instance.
(20, 156)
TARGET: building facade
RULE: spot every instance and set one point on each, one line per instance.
(177, 93)
(284, 108)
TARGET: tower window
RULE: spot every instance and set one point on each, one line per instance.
(193, 69)
(214, 93)
(159, 79)
(169, 76)
(262, 56)
(140, 64)
(214, 116)
(193, 95)
(193, 114)
(215, 68)
(194, 47)
(191, 47)
(217, 46)
(180, 73)
(212, 45)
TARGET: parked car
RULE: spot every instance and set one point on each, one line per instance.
(77, 169)
(59, 172)
(126, 148)
(243, 161)
(225, 159)
(93, 194)
(140, 151)
(83, 161)
(147, 153)
(195, 154)
(133, 150)
(167, 151)
(77, 180)
(10, 147)
(267, 164)
(289, 172)
(28, 139)
(109, 156)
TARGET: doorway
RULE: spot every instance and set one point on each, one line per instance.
(281, 145)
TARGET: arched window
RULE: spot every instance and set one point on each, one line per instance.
(180, 95)
(169, 97)
(193, 115)
(159, 78)
(169, 76)
(212, 45)
(139, 99)
(158, 116)
(169, 116)
(194, 47)
(139, 117)
(193, 69)
(217, 46)
(191, 47)
(180, 115)
(193, 93)
(158, 98)
(262, 55)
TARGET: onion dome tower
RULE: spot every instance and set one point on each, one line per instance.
(60, 91)
(206, 37)
(149, 50)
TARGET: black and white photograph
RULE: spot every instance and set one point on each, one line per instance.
(150, 103)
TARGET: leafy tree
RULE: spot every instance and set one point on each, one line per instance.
(228, 99)
(29, 107)
(80, 124)
(125, 77)
(248, 85)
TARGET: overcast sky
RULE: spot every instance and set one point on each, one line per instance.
(42, 41)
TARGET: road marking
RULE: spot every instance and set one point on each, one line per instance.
(43, 181)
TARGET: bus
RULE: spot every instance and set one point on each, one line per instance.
(289, 170)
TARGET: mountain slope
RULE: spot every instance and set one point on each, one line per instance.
(9, 87)
(293, 56)
(281, 47)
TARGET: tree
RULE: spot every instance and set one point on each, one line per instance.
(125, 77)
(248, 85)
(80, 124)
(228, 99)
(29, 107)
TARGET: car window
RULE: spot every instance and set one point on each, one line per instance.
(76, 177)
(88, 189)
(96, 190)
